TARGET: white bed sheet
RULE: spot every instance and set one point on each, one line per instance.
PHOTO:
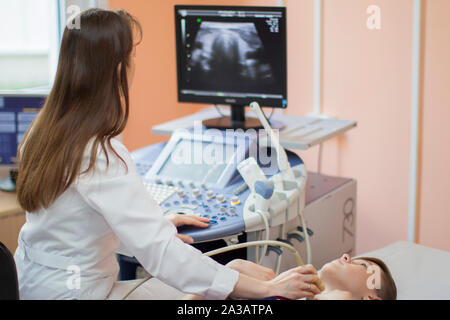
(420, 273)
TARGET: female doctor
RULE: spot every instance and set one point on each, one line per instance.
(83, 196)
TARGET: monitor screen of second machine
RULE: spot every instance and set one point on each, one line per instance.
(198, 161)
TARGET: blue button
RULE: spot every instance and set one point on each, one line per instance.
(213, 222)
(205, 216)
(176, 203)
(214, 217)
(167, 205)
(207, 210)
(223, 219)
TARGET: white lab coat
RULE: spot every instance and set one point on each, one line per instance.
(81, 231)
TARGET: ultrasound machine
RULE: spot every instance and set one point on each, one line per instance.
(219, 169)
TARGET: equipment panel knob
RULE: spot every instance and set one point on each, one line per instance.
(210, 194)
(235, 201)
(196, 192)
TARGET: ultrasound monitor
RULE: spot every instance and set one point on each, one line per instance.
(232, 55)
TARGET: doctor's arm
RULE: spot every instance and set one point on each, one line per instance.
(293, 284)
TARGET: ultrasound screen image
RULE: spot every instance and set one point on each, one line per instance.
(220, 55)
(229, 54)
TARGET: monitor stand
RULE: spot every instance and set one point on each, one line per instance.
(237, 120)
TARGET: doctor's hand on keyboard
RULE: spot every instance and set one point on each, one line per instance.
(187, 220)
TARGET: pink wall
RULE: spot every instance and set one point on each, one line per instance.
(366, 77)
(434, 215)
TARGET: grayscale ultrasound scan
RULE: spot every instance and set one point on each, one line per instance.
(226, 54)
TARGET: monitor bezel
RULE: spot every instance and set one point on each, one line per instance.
(224, 100)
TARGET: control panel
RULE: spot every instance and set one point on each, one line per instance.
(185, 188)
(222, 207)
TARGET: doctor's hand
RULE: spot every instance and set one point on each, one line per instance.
(297, 283)
(191, 220)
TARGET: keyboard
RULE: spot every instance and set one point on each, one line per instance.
(160, 192)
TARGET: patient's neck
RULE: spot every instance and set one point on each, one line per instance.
(327, 286)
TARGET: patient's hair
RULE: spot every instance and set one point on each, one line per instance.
(388, 290)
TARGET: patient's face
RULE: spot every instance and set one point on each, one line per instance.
(351, 275)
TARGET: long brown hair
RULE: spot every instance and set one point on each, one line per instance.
(89, 100)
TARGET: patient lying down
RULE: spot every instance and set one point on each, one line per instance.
(341, 279)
